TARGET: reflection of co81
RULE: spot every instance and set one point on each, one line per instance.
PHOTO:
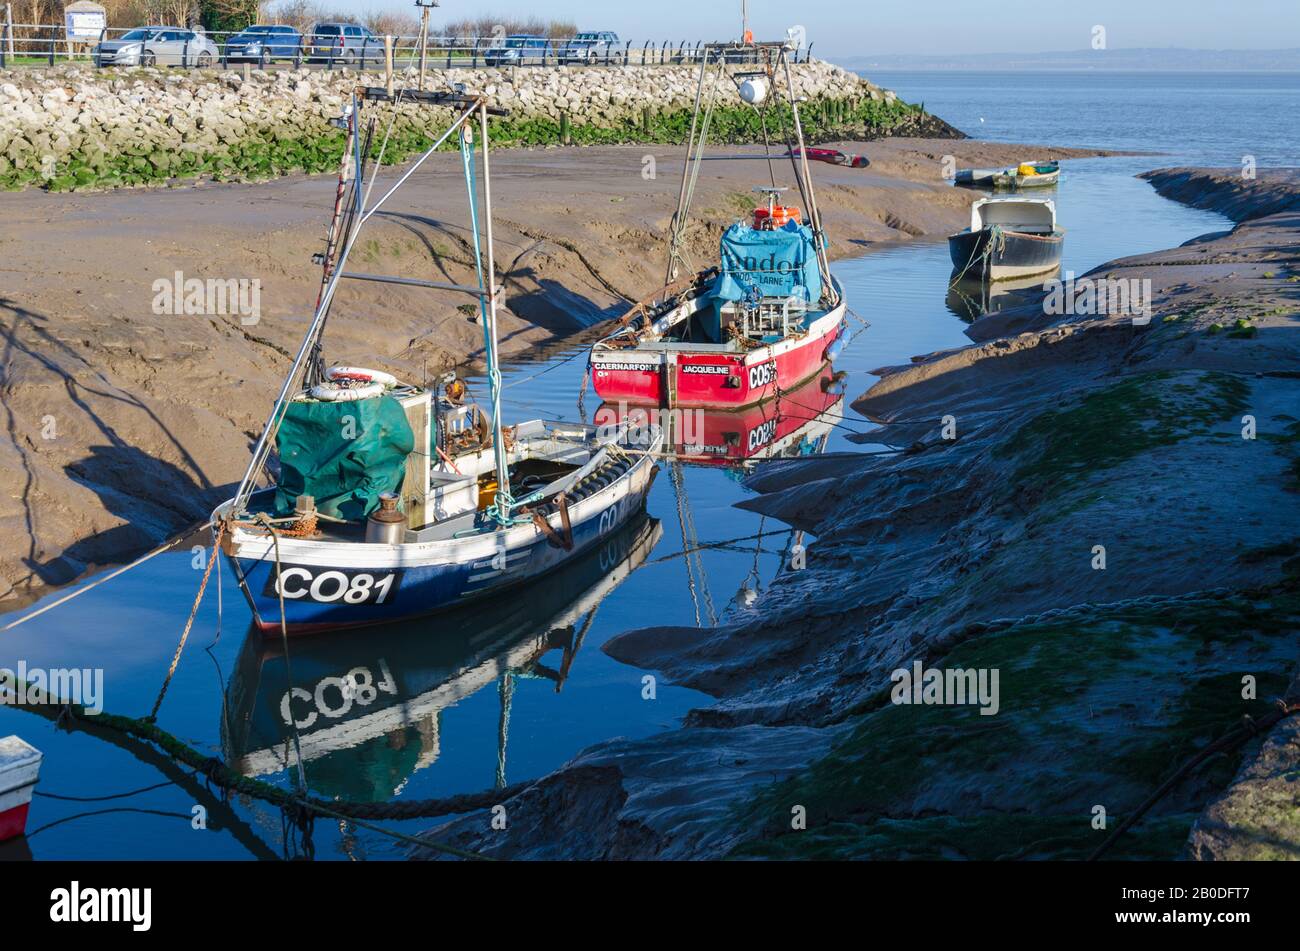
(358, 686)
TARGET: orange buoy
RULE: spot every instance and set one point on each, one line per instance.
(769, 219)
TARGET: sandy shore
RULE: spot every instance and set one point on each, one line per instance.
(122, 425)
(1077, 439)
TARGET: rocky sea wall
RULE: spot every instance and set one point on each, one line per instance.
(75, 127)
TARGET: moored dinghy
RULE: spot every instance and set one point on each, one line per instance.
(1024, 175)
(394, 501)
(1008, 238)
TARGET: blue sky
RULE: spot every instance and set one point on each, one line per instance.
(852, 27)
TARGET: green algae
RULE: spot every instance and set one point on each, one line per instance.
(315, 147)
(1097, 707)
(1061, 448)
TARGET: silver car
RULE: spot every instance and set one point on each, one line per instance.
(602, 47)
(158, 46)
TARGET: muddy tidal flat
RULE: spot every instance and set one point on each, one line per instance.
(127, 418)
(1101, 509)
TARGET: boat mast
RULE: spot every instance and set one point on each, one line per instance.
(486, 271)
(490, 317)
(801, 169)
(262, 451)
(678, 224)
(695, 148)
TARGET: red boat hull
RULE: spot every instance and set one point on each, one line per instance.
(680, 377)
(20, 766)
(730, 437)
(13, 822)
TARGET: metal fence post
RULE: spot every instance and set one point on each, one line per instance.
(8, 48)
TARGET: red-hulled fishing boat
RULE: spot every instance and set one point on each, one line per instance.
(767, 317)
(792, 424)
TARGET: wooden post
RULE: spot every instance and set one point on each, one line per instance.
(9, 21)
(388, 65)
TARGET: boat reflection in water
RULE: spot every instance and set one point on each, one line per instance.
(367, 704)
(794, 423)
(791, 424)
(972, 298)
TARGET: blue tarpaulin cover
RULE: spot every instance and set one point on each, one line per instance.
(778, 263)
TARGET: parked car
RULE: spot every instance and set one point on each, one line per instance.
(520, 50)
(603, 47)
(157, 46)
(346, 43)
(263, 44)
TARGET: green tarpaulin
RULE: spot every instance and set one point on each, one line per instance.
(344, 454)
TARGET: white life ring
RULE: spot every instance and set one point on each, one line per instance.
(343, 392)
(360, 375)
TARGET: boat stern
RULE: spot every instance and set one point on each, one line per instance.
(630, 376)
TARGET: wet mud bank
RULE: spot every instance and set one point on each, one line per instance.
(1099, 510)
(130, 405)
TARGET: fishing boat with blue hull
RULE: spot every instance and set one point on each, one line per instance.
(1008, 238)
(366, 709)
(395, 500)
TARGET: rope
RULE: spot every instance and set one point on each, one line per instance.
(300, 776)
(1249, 728)
(996, 244)
(189, 623)
(104, 580)
(219, 774)
(124, 795)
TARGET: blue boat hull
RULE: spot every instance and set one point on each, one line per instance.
(317, 598)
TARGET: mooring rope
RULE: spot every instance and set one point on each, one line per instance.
(73, 716)
(995, 244)
(300, 776)
(189, 623)
(107, 578)
(1248, 729)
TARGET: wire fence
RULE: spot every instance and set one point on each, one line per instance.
(345, 45)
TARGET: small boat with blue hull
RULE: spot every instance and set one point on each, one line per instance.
(391, 500)
(335, 578)
(1008, 238)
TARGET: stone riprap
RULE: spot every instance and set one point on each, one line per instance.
(75, 127)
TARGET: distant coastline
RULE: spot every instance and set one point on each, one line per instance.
(1115, 60)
